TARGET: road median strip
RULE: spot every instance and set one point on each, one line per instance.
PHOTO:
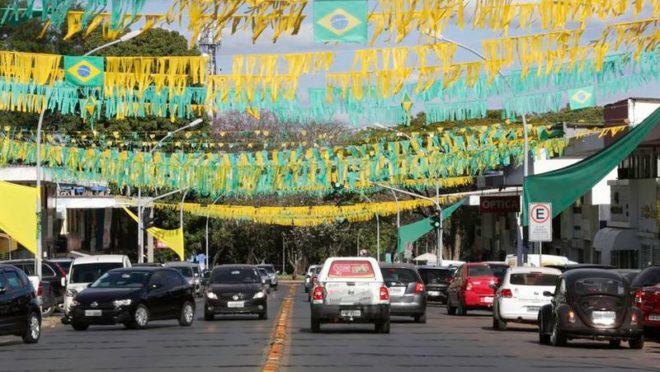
(278, 340)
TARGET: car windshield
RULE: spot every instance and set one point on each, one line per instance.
(263, 272)
(317, 270)
(479, 271)
(235, 276)
(65, 265)
(534, 278)
(398, 275)
(269, 269)
(88, 273)
(608, 286)
(435, 276)
(122, 279)
(186, 271)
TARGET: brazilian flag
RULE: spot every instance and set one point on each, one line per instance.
(342, 21)
(84, 71)
(581, 98)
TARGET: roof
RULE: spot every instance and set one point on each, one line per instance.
(387, 265)
(139, 268)
(180, 264)
(428, 267)
(576, 274)
(235, 266)
(100, 258)
(262, 265)
(527, 269)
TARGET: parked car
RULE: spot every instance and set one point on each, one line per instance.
(520, 296)
(86, 270)
(20, 314)
(436, 279)
(312, 270)
(407, 290)
(272, 274)
(351, 290)
(646, 287)
(52, 288)
(591, 304)
(191, 272)
(134, 297)
(471, 288)
(235, 289)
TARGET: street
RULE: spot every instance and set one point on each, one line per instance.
(242, 343)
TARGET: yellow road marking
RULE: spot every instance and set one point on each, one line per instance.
(276, 350)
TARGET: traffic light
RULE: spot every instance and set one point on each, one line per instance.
(435, 220)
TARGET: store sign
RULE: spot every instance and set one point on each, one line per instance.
(499, 204)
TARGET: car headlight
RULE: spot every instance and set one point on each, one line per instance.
(120, 303)
(71, 292)
(211, 296)
(259, 295)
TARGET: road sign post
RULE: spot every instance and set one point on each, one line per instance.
(540, 225)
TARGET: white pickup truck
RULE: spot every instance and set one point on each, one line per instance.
(350, 290)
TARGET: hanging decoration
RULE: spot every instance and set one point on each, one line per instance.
(343, 21)
(78, 22)
(306, 215)
(172, 238)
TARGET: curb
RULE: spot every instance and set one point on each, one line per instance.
(278, 340)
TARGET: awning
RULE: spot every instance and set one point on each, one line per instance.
(610, 239)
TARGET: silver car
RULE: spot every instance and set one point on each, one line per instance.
(407, 290)
(190, 272)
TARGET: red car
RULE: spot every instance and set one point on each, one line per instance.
(472, 287)
(647, 295)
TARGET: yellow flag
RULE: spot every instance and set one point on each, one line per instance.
(18, 215)
(172, 238)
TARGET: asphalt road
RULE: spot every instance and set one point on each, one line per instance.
(451, 343)
(237, 343)
(242, 343)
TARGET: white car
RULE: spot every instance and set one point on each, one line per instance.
(351, 290)
(520, 295)
(85, 270)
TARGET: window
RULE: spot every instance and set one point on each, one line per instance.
(593, 286)
(173, 278)
(351, 269)
(435, 276)
(47, 272)
(228, 275)
(158, 279)
(88, 273)
(479, 271)
(186, 271)
(399, 275)
(534, 279)
(122, 279)
(13, 281)
(3, 280)
(647, 278)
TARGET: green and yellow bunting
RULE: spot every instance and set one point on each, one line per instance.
(84, 71)
(342, 21)
(581, 98)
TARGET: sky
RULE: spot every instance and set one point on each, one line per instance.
(241, 43)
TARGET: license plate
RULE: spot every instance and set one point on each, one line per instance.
(92, 312)
(235, 304)
(533, 309)
(434, 293)
(654, 317)
(397, 291)
(351, 313)
(488, 300)
(603, 317)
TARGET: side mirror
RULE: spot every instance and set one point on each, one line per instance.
(548, 294)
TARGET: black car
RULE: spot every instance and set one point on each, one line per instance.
(134, 297)
(235, 289)
(19, 309)
(436, 280)
(53, 282)
(591, 304)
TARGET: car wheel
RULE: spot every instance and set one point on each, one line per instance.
(420, 318)
(615, 344)
(79, 326)
(48, 311)
(557, 337)
(450, 309)
(187, 314)
(141, 317)
(636, 343)
(315, 325)
(460, 309)
(544, 339)
(33, 329)
(498, 323)
(382, 326)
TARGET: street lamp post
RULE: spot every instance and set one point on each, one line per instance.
(440, 37)
(377, 229)
(438, 208)
(40, 122)
(140, 206)
(207, 233)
